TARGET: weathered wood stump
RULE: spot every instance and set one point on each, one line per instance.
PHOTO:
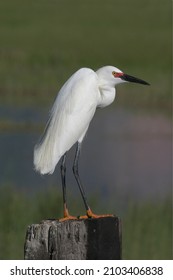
(85, 239)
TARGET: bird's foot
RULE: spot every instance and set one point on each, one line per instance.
(90, 214)
(67, 216)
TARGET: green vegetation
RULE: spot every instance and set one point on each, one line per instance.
(17, 211)
(146, 229)
(44, 42)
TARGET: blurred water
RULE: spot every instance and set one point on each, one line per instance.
(125, 155)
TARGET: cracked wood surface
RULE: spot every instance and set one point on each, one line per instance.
(84, 239)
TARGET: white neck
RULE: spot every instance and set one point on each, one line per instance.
(107, 96)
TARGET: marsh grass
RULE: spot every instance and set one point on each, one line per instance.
(44, 42)
(146, 229)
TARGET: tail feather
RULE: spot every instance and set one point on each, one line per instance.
(44, 152)
(43, 162)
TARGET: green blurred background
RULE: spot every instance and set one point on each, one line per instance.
(41, 44)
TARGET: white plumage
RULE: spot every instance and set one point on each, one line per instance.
(72, 112)
(69, 119)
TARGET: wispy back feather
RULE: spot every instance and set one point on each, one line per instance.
(43, 151)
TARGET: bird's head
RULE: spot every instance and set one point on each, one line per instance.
(113, 76)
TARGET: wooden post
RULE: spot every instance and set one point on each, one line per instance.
(85, 239)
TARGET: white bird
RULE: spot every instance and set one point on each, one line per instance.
(69, 119)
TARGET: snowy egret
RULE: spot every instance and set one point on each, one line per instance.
(69, 119)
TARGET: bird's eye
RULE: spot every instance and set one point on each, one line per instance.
(114, 73)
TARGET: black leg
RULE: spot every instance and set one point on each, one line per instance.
(63, 179)
(89, 213)
(76, 174)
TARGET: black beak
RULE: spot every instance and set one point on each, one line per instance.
(132, 79)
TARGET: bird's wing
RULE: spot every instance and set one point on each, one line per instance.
(69, 119)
